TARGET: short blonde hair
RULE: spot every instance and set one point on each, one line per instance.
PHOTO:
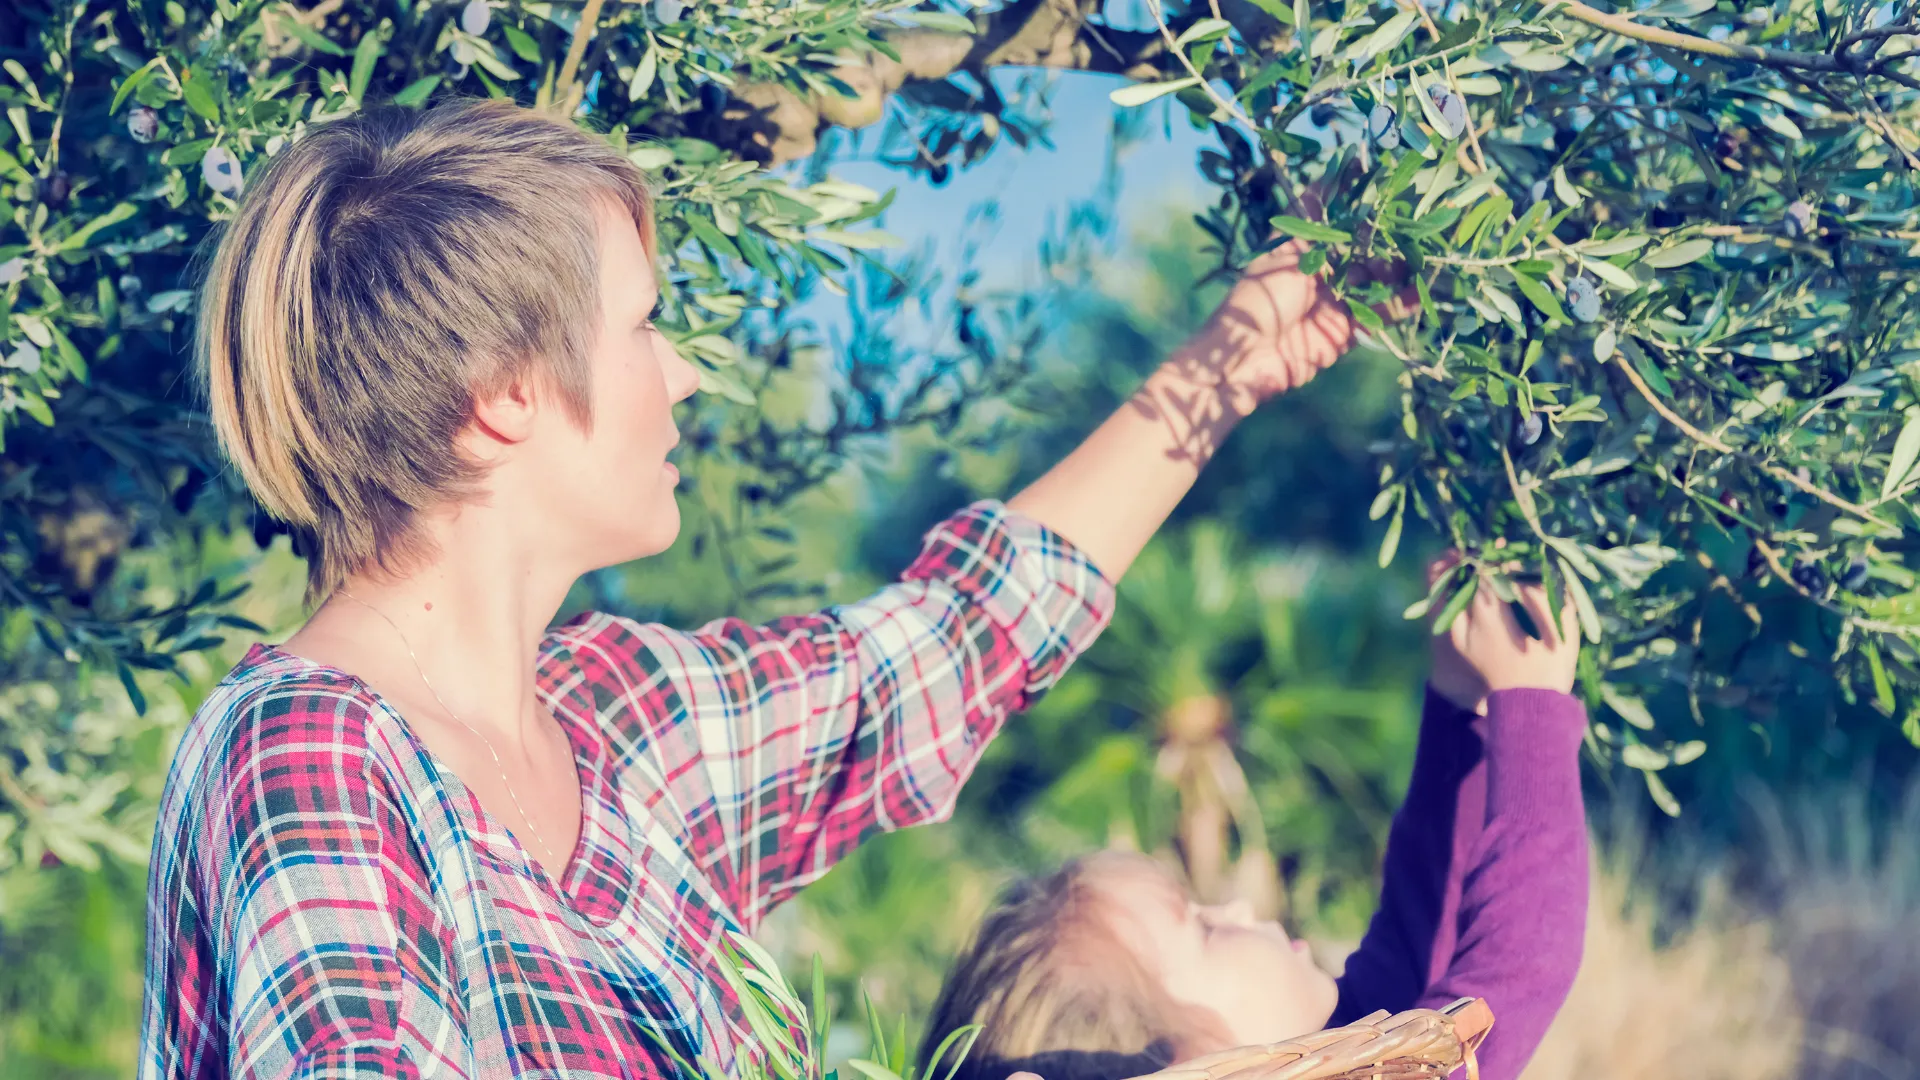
(381, 272)
(1058, 991)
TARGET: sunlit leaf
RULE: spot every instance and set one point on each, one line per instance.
(1906, 448)
(1140, 93)
(1679, 254)
(1310, 230)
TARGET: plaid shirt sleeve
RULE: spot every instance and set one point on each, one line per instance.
(774, 750)
(311, 945)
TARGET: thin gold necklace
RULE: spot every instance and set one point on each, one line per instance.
(553, 867)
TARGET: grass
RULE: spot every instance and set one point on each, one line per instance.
(1712, 1001)
(1813, 972)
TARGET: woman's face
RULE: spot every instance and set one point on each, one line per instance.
(612, 488)
(1264, 986)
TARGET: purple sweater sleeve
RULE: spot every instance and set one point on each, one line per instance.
(1485, 886)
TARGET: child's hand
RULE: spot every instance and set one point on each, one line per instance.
(1486, 650)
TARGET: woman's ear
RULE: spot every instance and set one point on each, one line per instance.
(506, 416)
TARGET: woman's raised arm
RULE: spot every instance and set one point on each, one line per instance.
(778, 748)
(1276, 329)
(773, 750)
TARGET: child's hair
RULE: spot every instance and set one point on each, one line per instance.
(1057, 989)
(381, 272)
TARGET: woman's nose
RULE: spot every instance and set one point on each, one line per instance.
(682, 377)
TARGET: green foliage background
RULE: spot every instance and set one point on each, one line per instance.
(1719, 473)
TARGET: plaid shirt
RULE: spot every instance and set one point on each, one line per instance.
(327, 900)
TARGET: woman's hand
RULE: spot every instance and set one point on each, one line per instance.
(1278, 327)
(1486, 650)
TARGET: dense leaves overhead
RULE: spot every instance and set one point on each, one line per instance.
(1669, 322)
(130, 131)
(1664, 356)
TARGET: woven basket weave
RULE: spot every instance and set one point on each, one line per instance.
(1419, 1044)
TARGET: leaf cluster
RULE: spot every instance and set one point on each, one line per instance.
(131, 130)
(1667, 353)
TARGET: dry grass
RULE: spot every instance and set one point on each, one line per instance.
(1712, 1002)
(1814, 974)
(1844, 897)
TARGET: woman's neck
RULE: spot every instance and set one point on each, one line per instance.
(460, 626)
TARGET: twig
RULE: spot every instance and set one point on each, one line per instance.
(17, 795)
(1339, 86)
(566, 94)
(1714, 443)
(1878, 33)
(1772, 556)
(1883, 124)
(1473, 136)
(1232, 109)
(1773, 58)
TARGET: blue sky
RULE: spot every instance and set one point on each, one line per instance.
(1156, 175)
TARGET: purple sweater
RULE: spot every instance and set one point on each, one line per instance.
(1485, 886)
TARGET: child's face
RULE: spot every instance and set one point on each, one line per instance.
(1264, 986)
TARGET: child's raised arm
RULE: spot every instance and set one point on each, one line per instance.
(1485, 886)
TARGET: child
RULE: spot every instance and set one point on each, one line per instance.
(1108, 968)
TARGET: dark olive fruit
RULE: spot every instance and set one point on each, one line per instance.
(1799, 219)
(1452, 110)
(1583, 297)
(143, 124)
(1530, 428)
(1856, 575)
(1809, 577)
(1382, 125)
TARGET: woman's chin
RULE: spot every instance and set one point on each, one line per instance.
(663, 527)
(655, 530)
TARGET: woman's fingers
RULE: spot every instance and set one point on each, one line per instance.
(1398, 306)
(1314, 197)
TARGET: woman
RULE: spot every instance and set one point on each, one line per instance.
(429, 835)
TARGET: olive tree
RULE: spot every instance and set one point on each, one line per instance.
(1664, 259)
(133, 128)
(1668, 323)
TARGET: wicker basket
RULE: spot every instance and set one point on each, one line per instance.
(1418, 1043)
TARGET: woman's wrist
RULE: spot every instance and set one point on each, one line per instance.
(1212, 368)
